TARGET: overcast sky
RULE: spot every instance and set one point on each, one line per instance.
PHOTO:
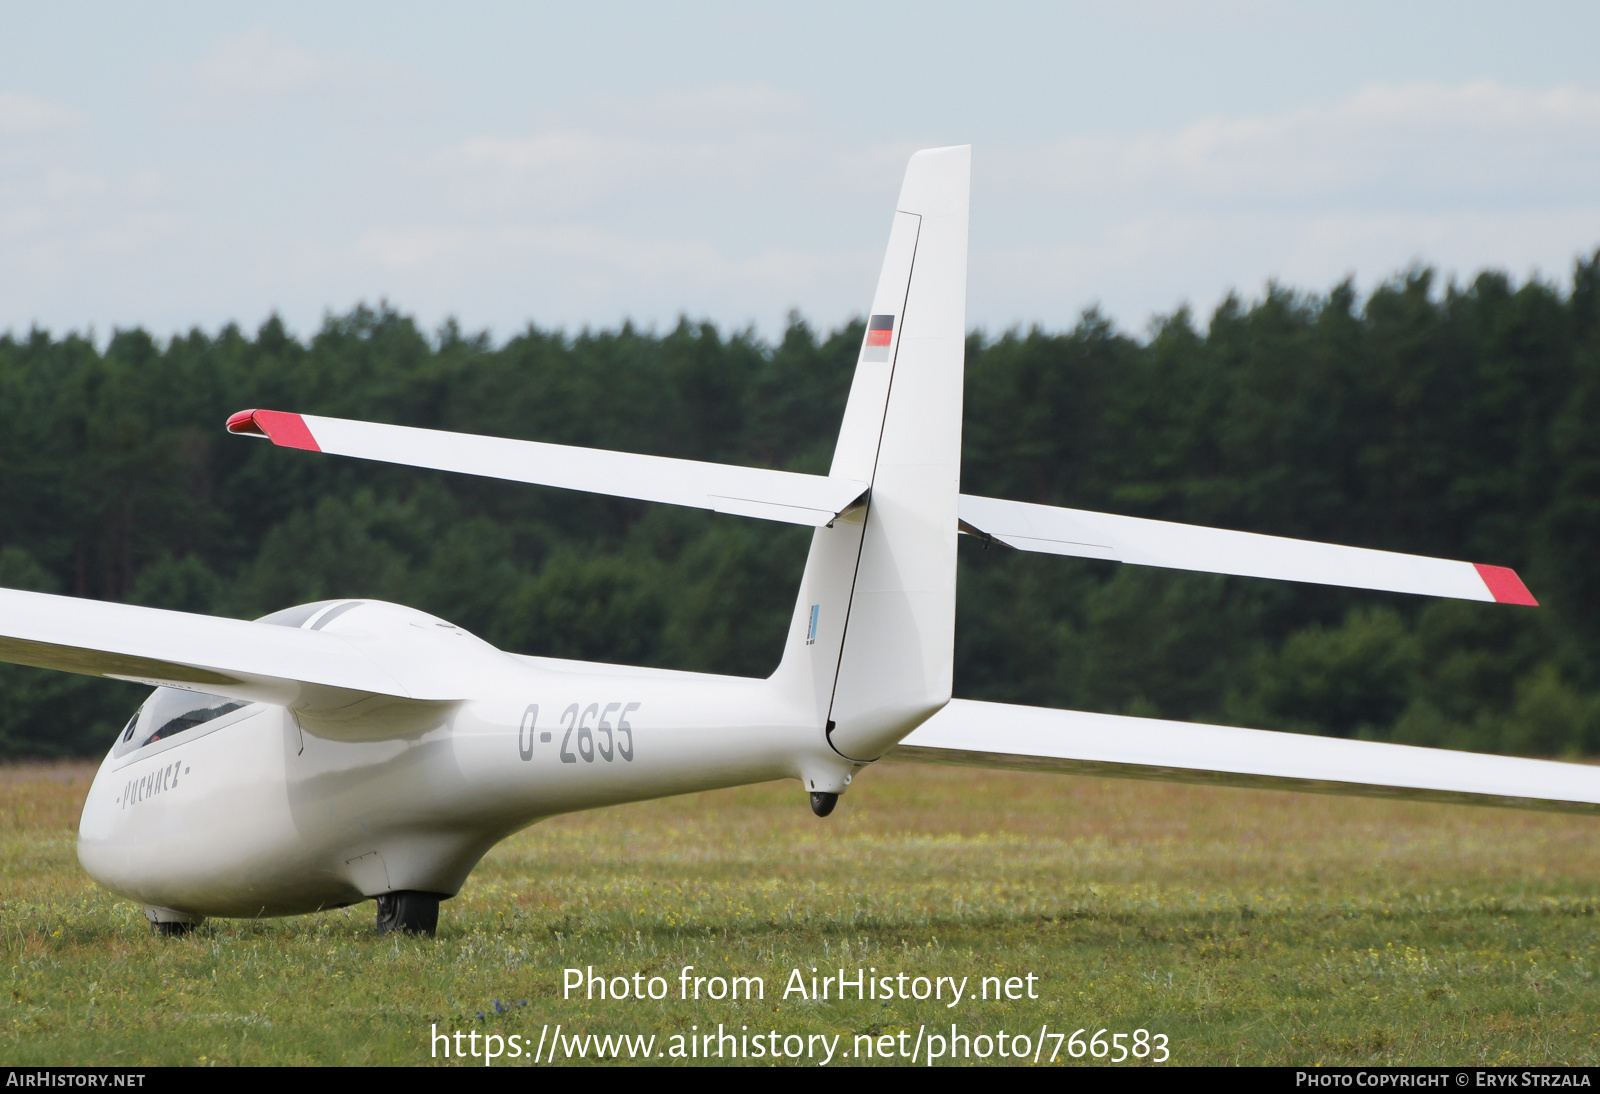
(173, 165)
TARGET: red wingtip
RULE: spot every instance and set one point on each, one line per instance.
(1504, 585)
(281, 428)
(245, 422)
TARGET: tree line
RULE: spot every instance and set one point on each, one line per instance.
(1455, 420)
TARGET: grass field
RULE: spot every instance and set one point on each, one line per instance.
(1248, 927)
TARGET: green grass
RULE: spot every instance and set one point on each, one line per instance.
(1249, 927)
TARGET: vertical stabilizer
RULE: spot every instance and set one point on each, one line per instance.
(871, 641)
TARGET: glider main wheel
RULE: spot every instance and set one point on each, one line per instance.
(822, 803)
(171, 923)
(172, 929)
(409, 912)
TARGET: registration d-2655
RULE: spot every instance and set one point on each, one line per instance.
(588, 732)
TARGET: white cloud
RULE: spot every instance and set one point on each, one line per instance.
(1383, 144)
(260, 62)
(560, 168)
(451, 254)
(1459, 177)
(23, 114)
(686, 182)
(64, 185)
(737, 203)
(20, 220)
(710, 112)
(1139, 266)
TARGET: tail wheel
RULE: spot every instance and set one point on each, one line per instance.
(409, 912)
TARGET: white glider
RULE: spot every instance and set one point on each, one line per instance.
(352, 749)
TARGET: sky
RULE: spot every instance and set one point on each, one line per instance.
(174, 166)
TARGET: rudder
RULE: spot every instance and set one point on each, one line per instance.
(874, 626)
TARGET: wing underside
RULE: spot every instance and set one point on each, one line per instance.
(997, 735)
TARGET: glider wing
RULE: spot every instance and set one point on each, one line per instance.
(314, 671)
(1143, 542)
(975, 734)
(723, 488)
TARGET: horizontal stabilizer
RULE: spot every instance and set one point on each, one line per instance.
(723, 488)
(1144, 542)
(307, 670)
(975, 734)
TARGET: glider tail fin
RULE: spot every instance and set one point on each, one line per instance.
(874, 626)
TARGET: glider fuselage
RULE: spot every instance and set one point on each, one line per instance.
(263, 812)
